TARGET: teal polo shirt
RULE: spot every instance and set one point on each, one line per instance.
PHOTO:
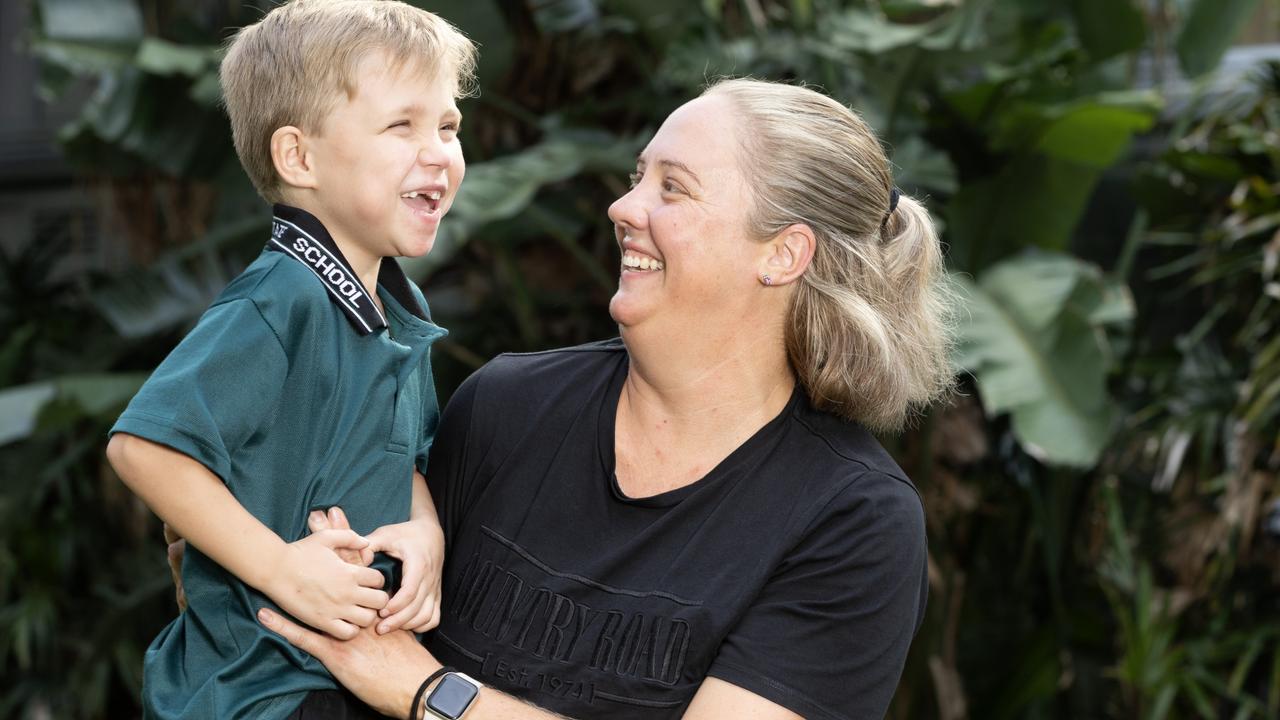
(297, 392)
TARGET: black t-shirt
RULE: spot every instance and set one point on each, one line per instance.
(794, 569)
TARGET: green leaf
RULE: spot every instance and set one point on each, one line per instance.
(161, 57)
(1210, 28)
(1034, 201)
(921, 166)
(20, 407)
(1094, 135)
(558, 16)
(1108, 27)
(1033, 340)
(110, 20)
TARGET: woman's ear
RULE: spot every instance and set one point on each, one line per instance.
(787, 255)
(289, 153)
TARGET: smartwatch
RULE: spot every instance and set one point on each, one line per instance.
(452, 696)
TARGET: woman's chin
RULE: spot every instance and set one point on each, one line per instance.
(626, 311)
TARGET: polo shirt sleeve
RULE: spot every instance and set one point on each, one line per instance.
(430, 417)
(217, 387)
(827, 636)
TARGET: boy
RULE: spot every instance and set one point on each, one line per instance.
(307, 384)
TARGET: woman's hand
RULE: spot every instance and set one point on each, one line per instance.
(419, 546)
(382, 670)
(177, 548)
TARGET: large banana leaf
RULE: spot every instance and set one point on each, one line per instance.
(1033, 335)
(98, 394)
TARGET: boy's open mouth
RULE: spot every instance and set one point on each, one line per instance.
(427, 201)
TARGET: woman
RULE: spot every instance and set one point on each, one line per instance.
(695, 520)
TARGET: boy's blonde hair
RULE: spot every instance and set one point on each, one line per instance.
(288, 68)
(869, 327)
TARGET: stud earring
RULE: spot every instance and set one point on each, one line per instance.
(766, 280)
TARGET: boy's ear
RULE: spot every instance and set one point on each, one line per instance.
(787, 255)
(289, 155)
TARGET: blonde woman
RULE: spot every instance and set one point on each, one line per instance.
(695, 520)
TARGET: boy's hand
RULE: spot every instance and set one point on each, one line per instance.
(316, 586)
(419, 546)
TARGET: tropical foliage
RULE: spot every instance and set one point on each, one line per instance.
(1102, 499)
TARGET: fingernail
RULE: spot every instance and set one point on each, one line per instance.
(316, 516)
(382, 629)
(266, 617)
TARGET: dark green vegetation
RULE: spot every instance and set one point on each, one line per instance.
(1102, 501)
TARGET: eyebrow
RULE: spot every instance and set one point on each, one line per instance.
(675, 164)
(418, 109)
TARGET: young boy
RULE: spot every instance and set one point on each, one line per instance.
(307, 384)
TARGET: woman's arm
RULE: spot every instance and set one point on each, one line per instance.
(385, 670)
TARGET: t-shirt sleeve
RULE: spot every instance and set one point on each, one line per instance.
(827, 637)
(217, 387)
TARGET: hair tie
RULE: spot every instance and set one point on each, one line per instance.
(894, 194)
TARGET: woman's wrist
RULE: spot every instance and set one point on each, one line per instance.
(402, 706)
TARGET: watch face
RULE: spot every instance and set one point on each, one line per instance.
(452, 696)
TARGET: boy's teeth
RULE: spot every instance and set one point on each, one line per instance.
(433, 195)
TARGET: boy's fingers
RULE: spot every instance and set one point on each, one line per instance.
(338, 519)
(343, 630)
(374, 600)
(360, 616)
(408, 589)
(316, 521)
(368, 577)
(402, 618)
(343, 539)
(422, 621)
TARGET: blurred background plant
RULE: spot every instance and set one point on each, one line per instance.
(1102, 500)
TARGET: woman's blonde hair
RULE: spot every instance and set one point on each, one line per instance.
(290, 67)
(868, 330)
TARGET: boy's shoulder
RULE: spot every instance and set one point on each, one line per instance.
(286, 293)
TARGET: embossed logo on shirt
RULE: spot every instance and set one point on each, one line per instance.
(531, 611)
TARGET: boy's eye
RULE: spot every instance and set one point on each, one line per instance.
(450, 127)
(399, 123)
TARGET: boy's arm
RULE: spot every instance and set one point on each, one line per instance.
(306, 578)
(419, 546)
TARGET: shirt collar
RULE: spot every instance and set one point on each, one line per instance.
(300, 235)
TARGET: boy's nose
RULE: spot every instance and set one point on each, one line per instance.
(433, 153)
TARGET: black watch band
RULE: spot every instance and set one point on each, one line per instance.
(422, 689)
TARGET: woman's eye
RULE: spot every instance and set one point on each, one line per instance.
(449, 127)
(635, 178)
(399, 123)
(668, 186)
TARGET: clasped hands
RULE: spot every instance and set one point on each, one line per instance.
(325, 580)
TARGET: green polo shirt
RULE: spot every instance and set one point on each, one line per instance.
(297, 392)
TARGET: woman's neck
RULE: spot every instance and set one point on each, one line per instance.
(685, 406)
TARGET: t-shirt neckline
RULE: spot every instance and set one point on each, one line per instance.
(742, 454)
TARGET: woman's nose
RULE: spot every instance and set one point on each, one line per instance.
(628, 210)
